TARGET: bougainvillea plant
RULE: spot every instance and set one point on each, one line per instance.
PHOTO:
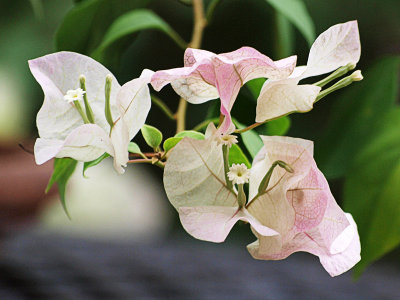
(87, 116)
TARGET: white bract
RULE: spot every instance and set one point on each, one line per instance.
(336, 47)
(61, 128)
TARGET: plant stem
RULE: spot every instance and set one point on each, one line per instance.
(198, 27)
(249, 127)
(146, 161)
(338, 73)
(225, 154)
(205, 123)
(78, 107)
(340, 84)
(158, 102)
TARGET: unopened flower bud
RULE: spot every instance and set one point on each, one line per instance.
(357, 76)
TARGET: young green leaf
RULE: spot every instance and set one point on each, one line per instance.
(134, 148)
(63, 169)
(171, 143)
(296, 12)
(191, 133)
(152, 136)
(93, 163)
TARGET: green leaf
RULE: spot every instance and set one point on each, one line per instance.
(296, 12)
(93, 163)
(171, 143)
(356, 115)
(131, 23)
(236, 156)
(191, 133)
(255, 86)
(134, 148)
(372, 192)
(278, 127)
(152, 136)
(63, 169)
(251, 139)
(84, 25)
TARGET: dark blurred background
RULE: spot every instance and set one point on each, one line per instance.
(125, 225)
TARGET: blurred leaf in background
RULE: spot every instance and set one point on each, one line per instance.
(356, 115)
(84, 26)
(372, 191)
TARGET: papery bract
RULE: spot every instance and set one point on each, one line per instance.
(206, 76)
(301, 208)
(195, 184)
(61, 128)
(334, 48)
(297, 212)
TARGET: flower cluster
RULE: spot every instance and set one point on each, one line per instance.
(289, 206)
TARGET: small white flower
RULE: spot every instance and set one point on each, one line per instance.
(227, 140)
(239, 174)
(73, 95)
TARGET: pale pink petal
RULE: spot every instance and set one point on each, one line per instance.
(194, 89)
(59, 72)
(133, 102)
(119, 139)
(213, 223)
(250, 64)
(196, 84)
(244, 215)
(194, 175)
(85, 143)
(309, 198)
(192, 56)
(334, 48)
(46, 149)
(331, 227)
(280, 98)
(270, 141)
(341, 262)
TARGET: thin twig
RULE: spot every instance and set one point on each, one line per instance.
(199, 23)
(25, 149)
(158, 102)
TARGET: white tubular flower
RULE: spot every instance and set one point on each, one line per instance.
(239, 174)
(73, 95)
(227, 140)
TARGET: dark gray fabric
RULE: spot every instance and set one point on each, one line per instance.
(49, 266)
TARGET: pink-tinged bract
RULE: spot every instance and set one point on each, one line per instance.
(302, 209)
(208, 76)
